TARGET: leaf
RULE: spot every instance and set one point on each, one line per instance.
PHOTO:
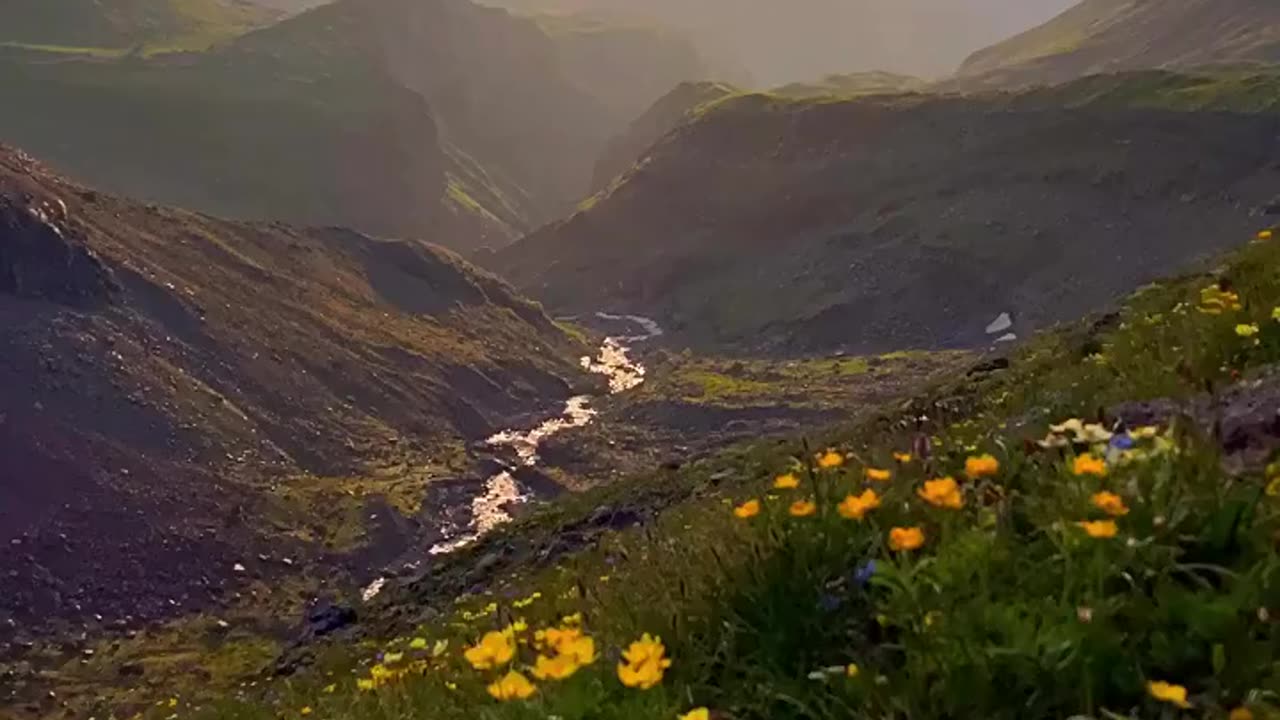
(1219, 658)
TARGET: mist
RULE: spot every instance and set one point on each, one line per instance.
(778, 41)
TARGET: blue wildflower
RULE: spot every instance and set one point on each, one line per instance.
(863, 574)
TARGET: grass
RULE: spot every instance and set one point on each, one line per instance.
(1008, 608)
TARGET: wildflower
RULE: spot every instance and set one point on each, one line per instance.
(1247, 330)
(526, 602)
(439, 648)
(856, 507)
(1146, 432)
(1088, 464)
(1215, 301)
(931, 618)
(905, 539)
(330, 688)
(1273, 487)
(943, 493)
(830, 459)
(512, 686)
(643, 663)
(495, 649)
(981, 466)
(877, 475)
(305, 711)
(557, 667)
(1275, 313)
(1264, 235)
(1241, 713)
(1084, 614)
(519, 626)
(901, 457)
(864, 573)
(392, 658)
(851, 670)
(365, 684)
(418, 643)
(1110, 503)
(786, 482)
(173, 702)
(574, 619)
(1168, 692)
(802, 508)
(698, 714)
(1099, 528)
(748, 509)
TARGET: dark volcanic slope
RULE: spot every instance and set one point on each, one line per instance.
(1099, 36)
(163, 369)
(893, 222)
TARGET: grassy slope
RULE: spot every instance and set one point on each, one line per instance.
(1009, 610)
(123, 25)
(1112, 35)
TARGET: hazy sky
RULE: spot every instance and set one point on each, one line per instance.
(779, 41)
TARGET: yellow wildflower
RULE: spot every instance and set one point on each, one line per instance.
(903, 458)
(1264, 234)
(392, 658)
(305, 711)
(856, 507)
(1247, 330)
(877, 475)
(1088, 464)
(556, 638)
(1273, 487)
(365, 684)
(1100, 529)
(981, 466)
(519, 626)
(1241, 713)
(557, 667)
(830, 459)
(905, 539)
(330, 688)
(574, 619)
(1275, 313)
(1146, 432)
(1168, 692)
(495, 649)
(851, 670)
(418, 643)
(748, 509)
(173, 702)
(512, 686)
(1110, 503)
(787, 481)
(802, 508)
(696, 714)
(526, 602)
(943, 493)
(643, 663)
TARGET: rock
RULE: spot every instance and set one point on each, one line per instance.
(1002, 323)
(327, 618)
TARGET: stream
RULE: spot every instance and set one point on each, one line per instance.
(501, 491)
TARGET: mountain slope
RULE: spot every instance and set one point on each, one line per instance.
(124, 24)
(440, 119)
(888, 222)
(162, 364)
(1098, 36)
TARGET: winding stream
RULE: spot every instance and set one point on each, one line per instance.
(489, 510)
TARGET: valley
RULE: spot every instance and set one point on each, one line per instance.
(573, 359)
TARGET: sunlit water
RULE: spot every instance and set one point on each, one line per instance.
(501, 491)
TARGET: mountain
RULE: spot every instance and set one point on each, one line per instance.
(122, 25)
(904, 221)
(669, 111)
(186, 393)
(781, 41)
(1100, 36)
(440, 119)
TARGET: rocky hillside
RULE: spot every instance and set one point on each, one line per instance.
(911, 221)
(1097, 36)
(125, 25)
(185, 394)
(442, 120)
